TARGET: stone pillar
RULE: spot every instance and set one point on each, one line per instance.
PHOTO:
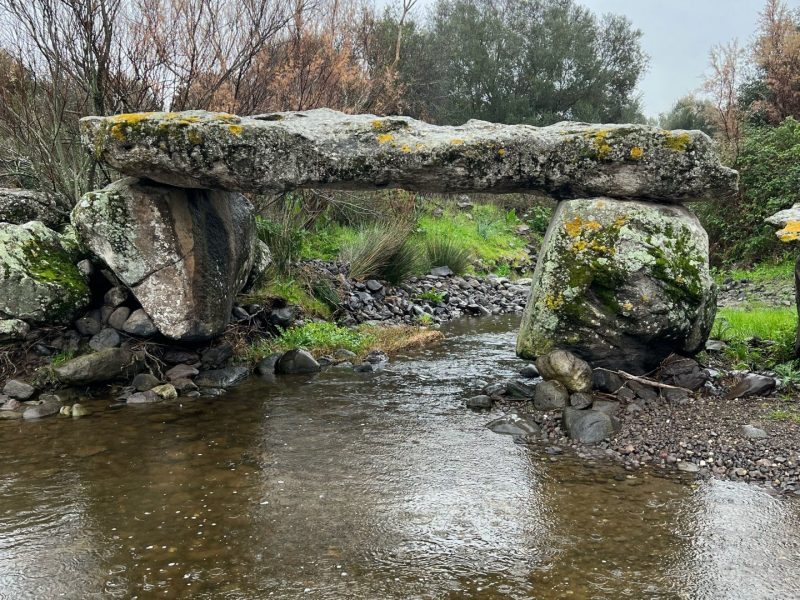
(622, 284)
(789, 222)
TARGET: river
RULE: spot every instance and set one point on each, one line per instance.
(362, 486)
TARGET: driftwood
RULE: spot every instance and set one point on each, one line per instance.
(646, 381)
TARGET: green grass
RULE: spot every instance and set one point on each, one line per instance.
(766, 272)
(432, 296)
(737, 326)
(324, 337)
(487, 233)
(754, 320)
(790, 415)
(294, 292)
(489, 236)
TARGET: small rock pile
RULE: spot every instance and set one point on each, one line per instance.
(434, 298)
(688, 418)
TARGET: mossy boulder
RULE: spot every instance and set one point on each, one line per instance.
(622, 284)
(328, 149)
(184, 254)
(39, 281)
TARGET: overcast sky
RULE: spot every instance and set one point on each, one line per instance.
(677, 35)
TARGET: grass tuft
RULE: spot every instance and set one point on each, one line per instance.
(447, 252)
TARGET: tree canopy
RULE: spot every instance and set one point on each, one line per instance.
(518, 61)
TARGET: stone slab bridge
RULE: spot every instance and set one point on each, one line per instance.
(622, 279)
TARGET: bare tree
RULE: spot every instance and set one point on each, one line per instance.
(722, 85)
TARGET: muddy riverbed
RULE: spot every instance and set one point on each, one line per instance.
(376, 486)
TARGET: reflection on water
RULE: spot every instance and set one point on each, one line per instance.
(346, 486)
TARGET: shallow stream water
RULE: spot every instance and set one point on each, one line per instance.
(365, 487)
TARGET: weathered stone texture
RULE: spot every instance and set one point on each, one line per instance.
(324, 148)
(22, 206)
(622, 284)
(39, 281)
(185, 254)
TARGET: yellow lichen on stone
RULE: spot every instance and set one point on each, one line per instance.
(580, 245)
(637, 153)
(124, 122)
(384, 137)
(574, 227)
(420, 146)
(601, 146)
(554, 301)
(501, 152)
(377, 124)
(592, 225)
(627, 306)
(790, 233)
(620, 221)
(195, 137)
(405, 148)
(457, 141)
(678, 143)
(236, 129)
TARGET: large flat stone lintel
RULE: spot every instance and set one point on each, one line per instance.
(328, 149)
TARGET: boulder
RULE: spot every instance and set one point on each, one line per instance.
(480, 402)
(515, 424)
(622, 284)
(580, 400)
(13, 329)
(589, 426)
(145, 381)
(297, 362)
(550, 395)
(22, 206)
(19, 390)
(563, 366)
(107, 338)
(138, 323)
(184, 254)
(106, 365)
(39, 281)
(47, 406)
(752, 384)
(222, 378)
(327, 149)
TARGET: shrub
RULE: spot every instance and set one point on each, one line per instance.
(447, 252)
(769, 170)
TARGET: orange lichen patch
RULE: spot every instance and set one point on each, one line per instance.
(384, 137)
(457, 141)
(790, 233)
(637, 153)
(592, 225)
(501, 152)
(574, 227)
(236, 129)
